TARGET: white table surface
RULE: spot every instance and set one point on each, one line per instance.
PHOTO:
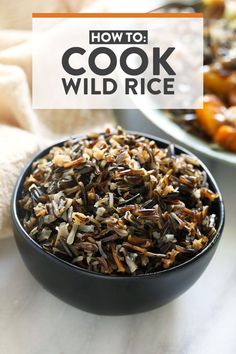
(203, 320)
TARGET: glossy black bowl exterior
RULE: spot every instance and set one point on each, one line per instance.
(104, 294)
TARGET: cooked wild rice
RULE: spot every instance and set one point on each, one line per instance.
(118, 204)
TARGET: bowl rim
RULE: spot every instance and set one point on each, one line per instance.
(16, 221)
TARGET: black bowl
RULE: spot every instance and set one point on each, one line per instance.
(104, 294)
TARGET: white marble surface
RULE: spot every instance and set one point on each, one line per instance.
(203, 320)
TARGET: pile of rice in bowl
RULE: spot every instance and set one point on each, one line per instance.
(119, 204)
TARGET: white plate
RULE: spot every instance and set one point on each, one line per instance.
(171, 128)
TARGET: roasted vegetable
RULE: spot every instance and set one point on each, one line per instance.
(226, 137)
(212, 116)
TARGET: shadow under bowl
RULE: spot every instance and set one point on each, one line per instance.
(112, 295)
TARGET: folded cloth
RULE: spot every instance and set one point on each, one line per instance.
(17, 14)
(16, 147)
(24, 131)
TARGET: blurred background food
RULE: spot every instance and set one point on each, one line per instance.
(216, 123)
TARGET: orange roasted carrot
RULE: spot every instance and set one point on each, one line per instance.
(226, 137)
(212, 116)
